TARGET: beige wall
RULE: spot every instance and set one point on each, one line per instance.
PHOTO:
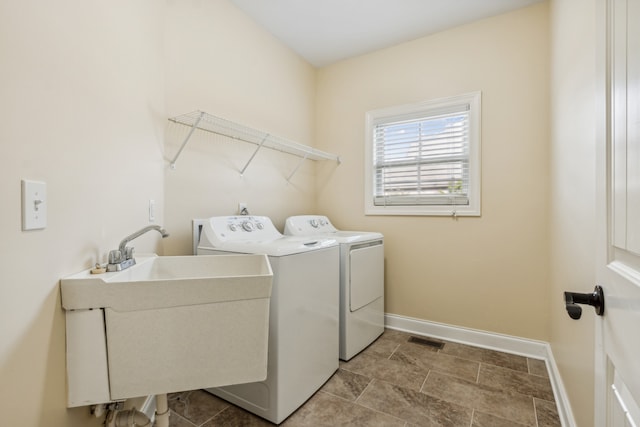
(83, 110)
(572, 195)
(83, 97)
(219, 61)
(488, 273)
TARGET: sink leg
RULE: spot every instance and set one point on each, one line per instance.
(162, 411)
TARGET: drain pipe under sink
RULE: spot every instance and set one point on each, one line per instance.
(135, 418)
(129, 418)
(162, 410)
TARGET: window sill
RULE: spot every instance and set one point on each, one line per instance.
(423, 211)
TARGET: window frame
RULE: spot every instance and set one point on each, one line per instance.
(414, 111)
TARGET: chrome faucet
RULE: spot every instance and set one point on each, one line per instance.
(122, 258)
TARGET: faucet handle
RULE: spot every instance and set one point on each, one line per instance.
(115, 256)
(128, 252)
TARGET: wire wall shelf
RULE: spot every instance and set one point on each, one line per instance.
(219, 126)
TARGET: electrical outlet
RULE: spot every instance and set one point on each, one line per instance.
(152, 210)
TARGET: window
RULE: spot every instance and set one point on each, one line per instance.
(424, 159)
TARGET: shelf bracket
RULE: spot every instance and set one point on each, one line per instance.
(297, 167)
(193, 128)
(254, 154)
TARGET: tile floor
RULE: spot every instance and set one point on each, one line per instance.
(396, 382)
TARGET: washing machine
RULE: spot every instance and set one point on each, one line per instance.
(361, 279)
(303, 313)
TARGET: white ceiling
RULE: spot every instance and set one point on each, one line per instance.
(326, 31)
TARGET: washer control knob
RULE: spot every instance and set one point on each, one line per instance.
(248, 226)
(314, 223)
(259, 225)
(232, 227)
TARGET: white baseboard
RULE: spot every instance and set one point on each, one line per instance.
(506, 343)
(562, 400)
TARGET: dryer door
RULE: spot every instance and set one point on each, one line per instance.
(366, 275)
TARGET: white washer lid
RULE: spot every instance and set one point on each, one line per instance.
(280, 247)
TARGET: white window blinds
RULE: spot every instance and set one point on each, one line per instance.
(424, 160)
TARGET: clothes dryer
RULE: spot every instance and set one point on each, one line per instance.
(361, 279)
(303, 314)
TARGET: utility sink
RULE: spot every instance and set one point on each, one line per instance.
(166, 324)
(169, 281)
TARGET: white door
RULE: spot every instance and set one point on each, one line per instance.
(618, 269)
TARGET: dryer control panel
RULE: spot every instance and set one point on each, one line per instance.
(306, 225)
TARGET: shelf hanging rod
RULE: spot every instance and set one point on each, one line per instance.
(193, 128)
(254, 154)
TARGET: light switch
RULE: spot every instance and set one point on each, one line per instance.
(34, 205)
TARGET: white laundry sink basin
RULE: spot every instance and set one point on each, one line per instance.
(169, 281)
(166, 324)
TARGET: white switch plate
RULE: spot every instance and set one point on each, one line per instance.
(34, 205)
